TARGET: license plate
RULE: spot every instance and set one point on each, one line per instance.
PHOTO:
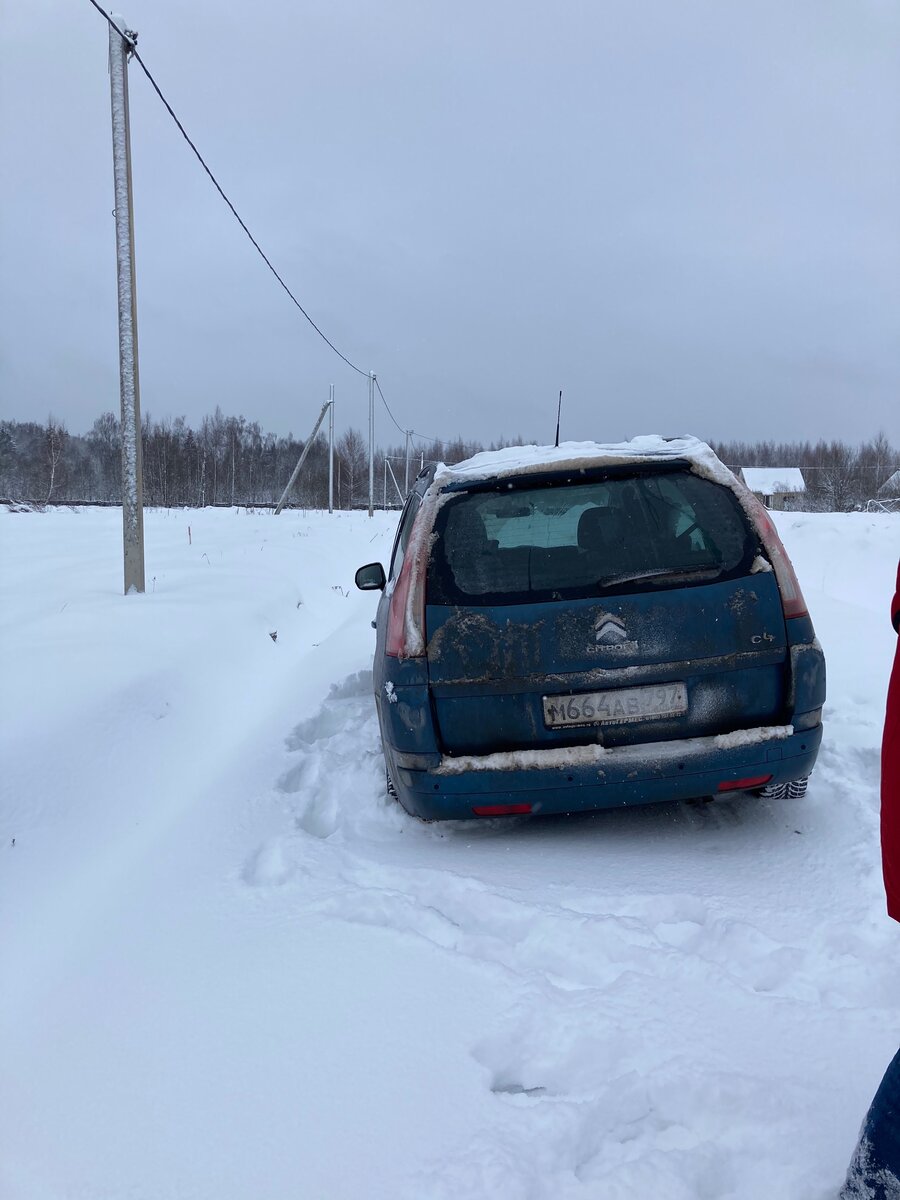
(617, 706)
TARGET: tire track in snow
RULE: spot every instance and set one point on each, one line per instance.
(336, 790)
(600, 986)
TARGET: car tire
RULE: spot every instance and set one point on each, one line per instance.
(391, 792)
(795, 790)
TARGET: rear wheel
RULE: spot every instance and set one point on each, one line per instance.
(392, 795)
(785, 791)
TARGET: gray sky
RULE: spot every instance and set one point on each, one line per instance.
(685, 213)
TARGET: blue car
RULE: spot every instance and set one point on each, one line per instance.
(582, 627)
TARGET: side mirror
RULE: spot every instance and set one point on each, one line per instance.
(371, 578)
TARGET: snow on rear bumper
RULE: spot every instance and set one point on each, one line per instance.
(592, 777)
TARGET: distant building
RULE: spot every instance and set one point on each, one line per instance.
(777, 487)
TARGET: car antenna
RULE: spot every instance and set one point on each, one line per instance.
(558, 411)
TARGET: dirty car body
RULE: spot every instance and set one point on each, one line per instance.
(583, 627)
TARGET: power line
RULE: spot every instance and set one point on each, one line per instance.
(131, 39)
(388, 408)
(411, 432)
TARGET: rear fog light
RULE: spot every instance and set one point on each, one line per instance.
(742, 785)
(503, 810)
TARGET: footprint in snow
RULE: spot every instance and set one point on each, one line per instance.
(270, 865)
(336, 782)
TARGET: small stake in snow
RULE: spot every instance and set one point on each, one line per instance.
(558, 413)
(121, 41)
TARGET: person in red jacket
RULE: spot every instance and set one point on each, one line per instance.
(890, 778)
(875, 1169)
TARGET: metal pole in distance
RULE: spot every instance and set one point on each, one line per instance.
(400, 495)
(384, 500)
(371, 443)
(301, 460)
(331, 448)
(406, 476)
(129, 386)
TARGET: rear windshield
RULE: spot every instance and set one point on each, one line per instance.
(577, 538)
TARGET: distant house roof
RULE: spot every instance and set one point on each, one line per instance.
(891, 486)
(770, 481)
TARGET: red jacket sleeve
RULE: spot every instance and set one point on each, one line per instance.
(890, 778)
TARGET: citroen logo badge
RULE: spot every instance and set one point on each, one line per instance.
(609, 630)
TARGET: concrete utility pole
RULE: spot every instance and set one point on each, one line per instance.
(129, 386)
(331, 448)
(406, 476)
(400, 495)
(302, 459)
(371, 443)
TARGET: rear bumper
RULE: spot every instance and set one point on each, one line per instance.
(594, 778)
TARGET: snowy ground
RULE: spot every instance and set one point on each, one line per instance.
(231, 970)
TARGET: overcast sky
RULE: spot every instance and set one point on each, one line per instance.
(685, 213)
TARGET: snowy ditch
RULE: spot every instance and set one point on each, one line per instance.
(232, 967)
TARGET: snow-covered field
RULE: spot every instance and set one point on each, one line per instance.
(232, 970)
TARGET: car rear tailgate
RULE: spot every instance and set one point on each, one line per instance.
(725, 641)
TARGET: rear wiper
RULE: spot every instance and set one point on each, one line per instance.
(665, 573)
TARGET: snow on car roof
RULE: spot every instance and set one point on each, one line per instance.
(516, 461)
(523, 460)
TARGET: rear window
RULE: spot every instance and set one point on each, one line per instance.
(577, 538)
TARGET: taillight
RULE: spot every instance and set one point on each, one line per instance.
(791, 596)
(502, 810)
(406, 615)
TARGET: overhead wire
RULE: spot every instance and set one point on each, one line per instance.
(131, 39)
(388, 408)
(412, 432)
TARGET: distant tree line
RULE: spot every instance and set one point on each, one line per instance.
(839, 477)
(225, 461)
(231, 461)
